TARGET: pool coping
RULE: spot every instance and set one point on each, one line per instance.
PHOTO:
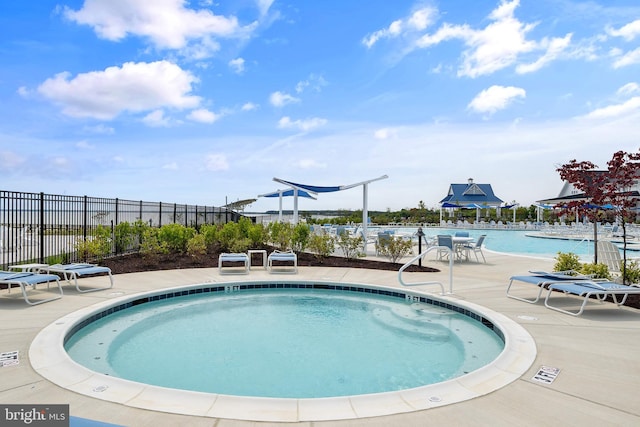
(50, 360)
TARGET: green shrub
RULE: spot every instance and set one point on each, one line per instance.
(597, 271)
(124, 235)
(96, 246)
(139, 228)
(631, 273)
(567, 262)
(351, 246)
(321, 245)
(210, 233)
(175, 237)
(196, 246)
(300, 237)
(281, 235)
(151, 247)
(394, 248)
(258, 235)
(228, 235)
(241, 244)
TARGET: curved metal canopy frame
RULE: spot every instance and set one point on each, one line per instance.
(315, 189)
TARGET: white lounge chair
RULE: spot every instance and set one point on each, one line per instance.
(234, 258)
(587, 289)
(24, 279)
(74, 271)
(609, 254)
(288, 257)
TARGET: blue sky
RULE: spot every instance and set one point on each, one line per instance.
(205, 101)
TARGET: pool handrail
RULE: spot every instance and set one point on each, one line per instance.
(417, 257)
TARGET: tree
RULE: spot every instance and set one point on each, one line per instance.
(604, 187)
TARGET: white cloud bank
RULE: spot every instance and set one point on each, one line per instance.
(502, 43)
(133, 87)
(165, 23)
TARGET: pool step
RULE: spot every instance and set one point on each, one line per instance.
(422, 328)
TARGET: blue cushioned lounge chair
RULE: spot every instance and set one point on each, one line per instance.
(289, 258)
(234, 258)
(542, 280)
(74, 271)
(24, 279)
(587, 289)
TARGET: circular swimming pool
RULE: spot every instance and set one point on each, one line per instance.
(286, 351)
(294, 343)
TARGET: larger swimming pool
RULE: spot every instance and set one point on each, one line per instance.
(517, 242)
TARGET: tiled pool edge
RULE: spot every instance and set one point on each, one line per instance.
(49, 359)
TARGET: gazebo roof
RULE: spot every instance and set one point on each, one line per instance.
(471, 193)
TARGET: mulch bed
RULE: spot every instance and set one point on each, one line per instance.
(133, 263)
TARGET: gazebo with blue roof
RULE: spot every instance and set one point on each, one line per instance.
(470, 196)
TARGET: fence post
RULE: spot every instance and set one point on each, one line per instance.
(85, 219)
(41, 228)
(140, 210)
(160, 216)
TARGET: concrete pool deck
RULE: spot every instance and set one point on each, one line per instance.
(597, 353)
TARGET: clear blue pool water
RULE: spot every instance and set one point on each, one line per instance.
(517, 242)
(285, 343)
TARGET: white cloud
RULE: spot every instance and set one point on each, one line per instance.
(280, 99)
(417, 21)
(630, 106)
(249, 106)
(554, 48)
(166, 23)
(500, 44)
(237, 65)
(216, 162)
(303, 125)
(314, 82)
(629, 89)
(629, 58)
(134, 87)
(627, 32)
(203, 115)
(263, 6)
(385, 133)
(156, 119)
(495, 98)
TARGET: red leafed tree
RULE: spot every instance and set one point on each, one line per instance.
(612, 186)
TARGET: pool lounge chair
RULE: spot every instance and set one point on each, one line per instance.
(74, 271)
(24, 279)
(542, 280)
(288, 257)
(587, 289)
(234, 258)
(609, 254)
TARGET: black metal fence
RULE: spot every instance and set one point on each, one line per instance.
(37, 226)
